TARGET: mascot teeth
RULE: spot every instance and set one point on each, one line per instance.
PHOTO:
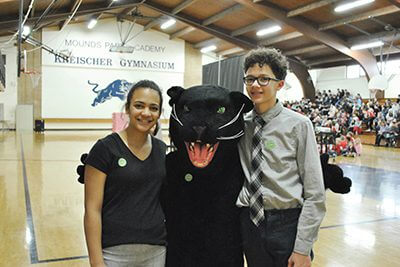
(200, 154)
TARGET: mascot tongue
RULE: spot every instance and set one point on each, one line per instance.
(199, 154)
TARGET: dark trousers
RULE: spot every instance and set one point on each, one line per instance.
(378, 139)
(270, 244)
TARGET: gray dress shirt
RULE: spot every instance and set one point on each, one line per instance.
(292, 174)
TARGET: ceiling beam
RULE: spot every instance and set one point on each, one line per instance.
(175, 10)
(251, 27)
(222, 14)
(75, 5)
(366, 59)
(327, 60)
(205, 43)
(126, 11)
(375, 51)
(359, 17)
(182, 6)
(310, 7)
(395, 2)
(182, 32)
(302, 74)
(387, 36)
(280, 38)
(98, 16)
(7, 24)
(304, 50)
(154, 22)
(382, 36)
(230, 51)
(210, 29)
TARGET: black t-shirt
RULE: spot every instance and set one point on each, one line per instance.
(131, 212)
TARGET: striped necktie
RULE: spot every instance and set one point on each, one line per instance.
(254, 186)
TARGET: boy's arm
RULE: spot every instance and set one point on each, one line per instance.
(313, 210)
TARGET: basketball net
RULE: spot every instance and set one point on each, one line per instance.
(35, 78)
(372, 93)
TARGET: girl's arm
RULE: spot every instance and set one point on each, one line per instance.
(94, 192)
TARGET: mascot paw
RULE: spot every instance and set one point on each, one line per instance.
(333, 177)
(342, 186)
(80, 170)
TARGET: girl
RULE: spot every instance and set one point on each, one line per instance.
(124, 222)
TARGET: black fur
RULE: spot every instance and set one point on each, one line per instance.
(202, 218)
(333, 177)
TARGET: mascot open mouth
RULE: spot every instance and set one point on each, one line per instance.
(201, 154)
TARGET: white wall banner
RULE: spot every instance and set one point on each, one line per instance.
(93, 82)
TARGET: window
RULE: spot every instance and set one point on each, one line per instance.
(391, 67)
(354, 71)
(3, 70)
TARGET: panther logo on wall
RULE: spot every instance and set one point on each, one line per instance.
(118, 88)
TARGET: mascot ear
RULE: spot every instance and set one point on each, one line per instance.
(175, 93)
(239, 99)
(324, 159)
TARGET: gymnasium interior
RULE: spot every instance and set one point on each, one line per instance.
(67, 65)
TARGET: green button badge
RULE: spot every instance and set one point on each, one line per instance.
(122, 162)
(269, 144)
(188, 177)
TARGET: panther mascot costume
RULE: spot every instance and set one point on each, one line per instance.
(204, 177)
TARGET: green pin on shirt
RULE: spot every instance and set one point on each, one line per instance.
(122, 162)
(188, 177)
(269, 144)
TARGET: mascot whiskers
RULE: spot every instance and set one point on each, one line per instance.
(204, 177)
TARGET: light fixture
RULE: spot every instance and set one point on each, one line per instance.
(268, 30)
(366, 45)
(26, 30)
(92, 23)
(351, 5)
(208, 49)
(168, 24)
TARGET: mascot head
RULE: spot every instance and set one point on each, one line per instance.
(206, 119)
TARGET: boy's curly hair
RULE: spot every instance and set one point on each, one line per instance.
(267, 56)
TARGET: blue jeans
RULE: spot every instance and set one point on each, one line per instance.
(134, 255)
(272, 243)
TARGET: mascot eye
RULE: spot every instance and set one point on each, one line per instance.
(221, 110)
(186, 108)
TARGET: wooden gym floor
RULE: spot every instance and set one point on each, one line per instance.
(41, 205)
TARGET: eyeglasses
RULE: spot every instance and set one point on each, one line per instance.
(263, 81)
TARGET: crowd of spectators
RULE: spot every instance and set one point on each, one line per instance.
(347, 115)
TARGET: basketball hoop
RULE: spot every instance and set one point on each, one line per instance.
(372, 93)
(377, 83)
(34, 76)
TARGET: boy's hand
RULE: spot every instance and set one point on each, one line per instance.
(299, 260)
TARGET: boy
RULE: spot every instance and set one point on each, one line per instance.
(283, 198)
